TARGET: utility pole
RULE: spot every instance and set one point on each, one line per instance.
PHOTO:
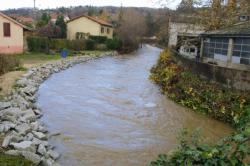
(34, 4)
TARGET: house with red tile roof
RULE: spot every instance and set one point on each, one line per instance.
(12, 35)
(84, 25)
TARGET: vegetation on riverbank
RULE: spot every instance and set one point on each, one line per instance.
(7, 160)
(202, 96)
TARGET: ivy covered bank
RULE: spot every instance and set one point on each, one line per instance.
(227, 105)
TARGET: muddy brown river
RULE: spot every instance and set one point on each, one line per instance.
(110, 114)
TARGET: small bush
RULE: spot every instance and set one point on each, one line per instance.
(76, 45)
(99, 39)
(114, 44)
(59, 44)
(9, 63)
(90, 44)
(101, 47)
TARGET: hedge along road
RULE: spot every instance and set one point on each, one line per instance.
(109, 113)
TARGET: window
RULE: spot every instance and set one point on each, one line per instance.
(241, 51)
(107, 30)
(6, 29)
(216, 48)
(102, 30)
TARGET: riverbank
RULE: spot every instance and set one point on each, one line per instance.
(22, 133)
(227, 105)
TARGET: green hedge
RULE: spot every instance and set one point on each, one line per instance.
(37, 44)
(43, 44)
(98, 39)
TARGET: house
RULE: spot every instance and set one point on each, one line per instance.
(12, 35)
(181, 30)
(229, 46)
(83, 26)
(23, 19)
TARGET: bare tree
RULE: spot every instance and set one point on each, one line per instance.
(131, 29)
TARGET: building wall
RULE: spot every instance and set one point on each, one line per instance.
(229, 77)
(14, 43)
(219, 49)
(181, 28)
(108, 35)
(85, 25)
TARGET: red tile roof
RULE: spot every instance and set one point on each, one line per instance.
(22, 18)
(97, 20)
(14, 21)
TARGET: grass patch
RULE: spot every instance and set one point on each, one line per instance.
(38, 57)
(7, 160)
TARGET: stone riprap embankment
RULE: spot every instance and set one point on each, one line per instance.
(23, 134)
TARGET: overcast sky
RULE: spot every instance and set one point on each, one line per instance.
(7, 4)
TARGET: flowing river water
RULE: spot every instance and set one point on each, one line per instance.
(110, 114)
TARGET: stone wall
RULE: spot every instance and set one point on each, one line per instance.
(232, 78)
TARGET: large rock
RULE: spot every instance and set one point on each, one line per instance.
(29, 90)
(24, 146)
(6, 141)
(40, 135)
(53, 154)
(36, 159)
(13, 111)
(6, 126)
(24, 128)
(4, 105)
(28, 116)
(47, 162)
(13, 152)
(41, 149)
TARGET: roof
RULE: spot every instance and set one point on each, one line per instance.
(14, 21)
(97, 20)
(241, 29)
(22, 19)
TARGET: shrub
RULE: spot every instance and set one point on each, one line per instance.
(101, 47)
(76, 45)
(90, 44)
(37, 44)
(59, 44)
(114, 44)
(231, 151)
(98, 39)
(9, 63)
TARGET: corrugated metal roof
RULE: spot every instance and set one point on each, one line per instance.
(239, 29)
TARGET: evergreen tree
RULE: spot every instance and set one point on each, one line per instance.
(44, 20)
(63, 26)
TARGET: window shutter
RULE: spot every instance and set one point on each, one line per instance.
(6, 29)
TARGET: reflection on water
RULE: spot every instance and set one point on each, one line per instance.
(110, 114)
